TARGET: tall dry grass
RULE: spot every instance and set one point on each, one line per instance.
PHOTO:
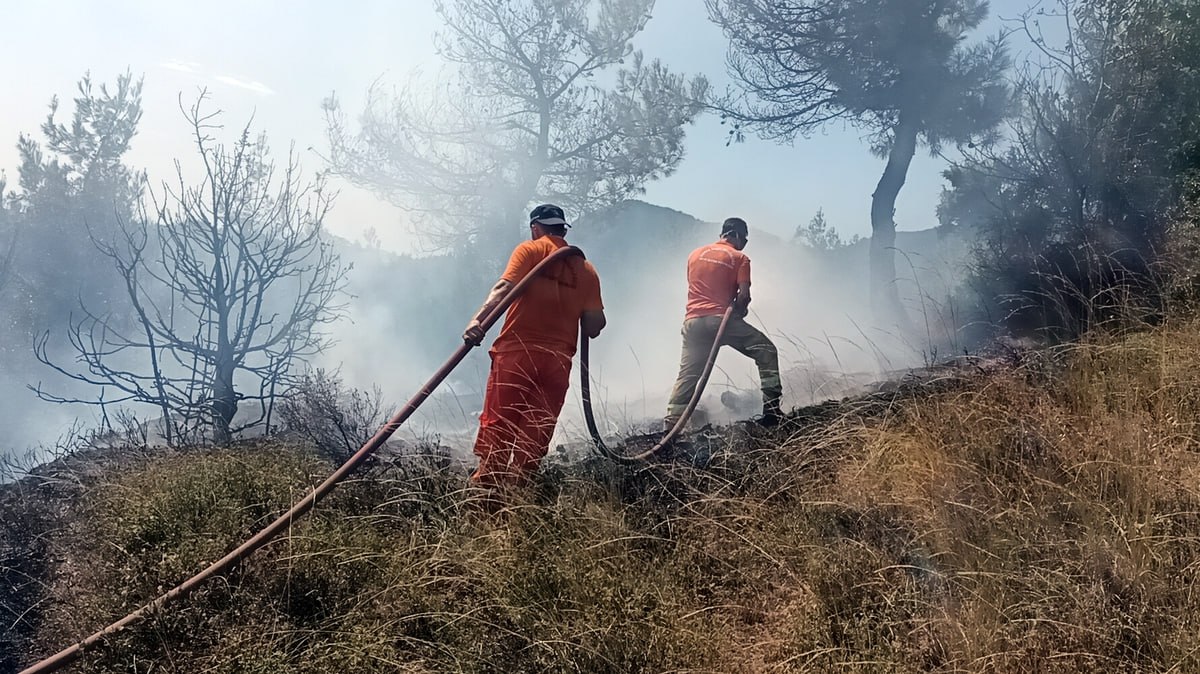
(1043, 517)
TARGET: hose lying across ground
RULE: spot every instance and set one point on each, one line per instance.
(72, 653)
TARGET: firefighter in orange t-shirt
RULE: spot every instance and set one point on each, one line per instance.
(531, 359)
(719, 275)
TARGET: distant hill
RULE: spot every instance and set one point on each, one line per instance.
(636, 238)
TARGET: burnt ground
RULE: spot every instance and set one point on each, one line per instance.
(31, 513)
(37, 513)
(35, 510)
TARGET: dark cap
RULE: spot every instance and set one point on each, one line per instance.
(548, 214)
(734, 226)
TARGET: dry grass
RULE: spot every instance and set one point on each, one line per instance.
(1041, 519)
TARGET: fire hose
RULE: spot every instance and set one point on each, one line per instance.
(72, 653)
(585, 393)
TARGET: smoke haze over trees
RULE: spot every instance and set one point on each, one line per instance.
(230, 282)
(74, 187)
(8, 238)
(553, 100)
(989, 453)
(545, 101)
(897, 69)
(1072, 211)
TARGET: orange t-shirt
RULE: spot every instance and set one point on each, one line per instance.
(547, 313)
(714, 272)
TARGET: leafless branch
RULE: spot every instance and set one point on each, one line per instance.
(230, 281)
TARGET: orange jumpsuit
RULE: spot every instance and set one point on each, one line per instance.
(531, 362)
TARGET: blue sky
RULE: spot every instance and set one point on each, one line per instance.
(275, 60)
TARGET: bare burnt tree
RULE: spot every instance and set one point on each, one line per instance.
(521, 117)
(336, 419)
(230, 281)
(897, 69)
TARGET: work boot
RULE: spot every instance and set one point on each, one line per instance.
(772, 415)
(669, 422)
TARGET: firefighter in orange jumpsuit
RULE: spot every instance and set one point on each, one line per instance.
(531, 358)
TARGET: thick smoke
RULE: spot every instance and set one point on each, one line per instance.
(810, 303)
(405, 315)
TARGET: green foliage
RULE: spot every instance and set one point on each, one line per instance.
(71, 190)
(818, 235)
(173, 518)
(797, 72)
(901, 70)
(368, 587)
(8, 237)
(73, 186)
(1073, 212)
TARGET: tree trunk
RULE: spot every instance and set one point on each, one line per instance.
(224, 401)
(885, 295)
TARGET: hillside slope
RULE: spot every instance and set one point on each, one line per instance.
(1033, 514)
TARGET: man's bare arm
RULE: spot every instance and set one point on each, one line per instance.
(474, 332)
